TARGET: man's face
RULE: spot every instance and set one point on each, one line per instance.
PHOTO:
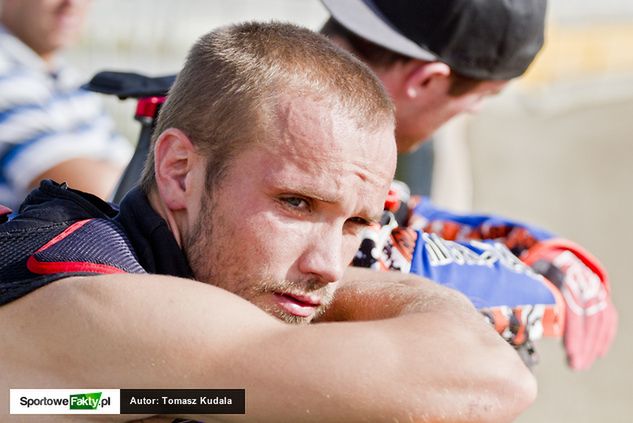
(418, 119)
(45, 25)
(284, 222)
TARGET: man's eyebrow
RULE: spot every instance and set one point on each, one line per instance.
(310, 193)
(374, 217)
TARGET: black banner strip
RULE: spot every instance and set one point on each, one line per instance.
(183, 401)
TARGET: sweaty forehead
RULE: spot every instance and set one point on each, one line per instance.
(319, 131)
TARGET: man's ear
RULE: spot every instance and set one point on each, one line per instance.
(174, 157)
(426, 78)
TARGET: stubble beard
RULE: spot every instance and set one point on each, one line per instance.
(212, 261)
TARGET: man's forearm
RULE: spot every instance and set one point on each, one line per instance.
(485, 363)
(426, 365)
(369, 295)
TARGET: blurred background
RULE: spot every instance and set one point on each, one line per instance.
(554, 150)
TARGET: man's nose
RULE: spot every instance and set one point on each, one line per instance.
(323, 257)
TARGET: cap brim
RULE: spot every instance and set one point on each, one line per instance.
(364, 19)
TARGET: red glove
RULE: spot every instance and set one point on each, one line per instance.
(590, 317)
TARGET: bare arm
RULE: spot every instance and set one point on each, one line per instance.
(366, 294)
(95, 176)
(149, 331)
(369, 295)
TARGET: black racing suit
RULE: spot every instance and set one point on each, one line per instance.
(60, 232)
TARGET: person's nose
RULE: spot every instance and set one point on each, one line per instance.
(323, 257)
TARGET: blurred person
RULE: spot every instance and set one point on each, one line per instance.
(438, 59)
(49, 127)
(238, 238)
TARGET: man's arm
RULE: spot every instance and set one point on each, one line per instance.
(366, 294)
(147, 331)
(369, 295)
(98, 177)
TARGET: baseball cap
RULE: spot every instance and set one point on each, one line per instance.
(483, 39)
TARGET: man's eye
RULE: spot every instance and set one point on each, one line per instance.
(295, 202)
(359, 221)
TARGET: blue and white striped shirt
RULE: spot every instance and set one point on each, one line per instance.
(46, 119)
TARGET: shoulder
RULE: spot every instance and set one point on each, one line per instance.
(43, 254)
(60, 234)
(86, 246)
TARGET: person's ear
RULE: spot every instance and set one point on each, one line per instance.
(174, 157)
(425, 77)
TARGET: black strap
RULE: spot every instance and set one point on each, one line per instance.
(128, 84)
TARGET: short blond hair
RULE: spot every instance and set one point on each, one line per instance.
(225, 96)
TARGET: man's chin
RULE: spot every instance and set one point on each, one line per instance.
(290, 317)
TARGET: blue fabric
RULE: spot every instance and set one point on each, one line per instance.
(486, 272)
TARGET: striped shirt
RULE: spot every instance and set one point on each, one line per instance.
(46, 119)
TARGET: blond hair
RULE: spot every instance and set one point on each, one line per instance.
(225, 96)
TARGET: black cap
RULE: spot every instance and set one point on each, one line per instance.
(483, 39)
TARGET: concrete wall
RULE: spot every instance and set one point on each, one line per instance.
(569, 172)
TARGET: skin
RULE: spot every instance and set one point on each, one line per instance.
(47, 27)
(295, 211)
(361, 363)
(90, 175)
(420, 92)
(292, 198)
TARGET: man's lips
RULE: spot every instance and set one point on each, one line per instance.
(297, 305)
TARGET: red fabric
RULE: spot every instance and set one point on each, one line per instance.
(591, 319)
(48, 268)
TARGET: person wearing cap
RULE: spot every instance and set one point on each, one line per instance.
(49, 127)
(438, 59)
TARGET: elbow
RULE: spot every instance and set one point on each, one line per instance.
(497, 389)
(510, 389)
(496, 386)
(523, 389)
(500, 398)
(502, 385)
(502, 403)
